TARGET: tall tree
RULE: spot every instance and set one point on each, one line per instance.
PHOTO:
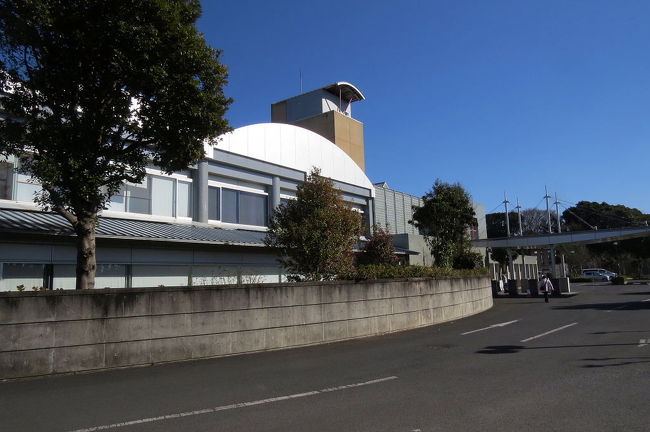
(98, 89)
(315, 233)
(445, 219)
(533, 222)
(496, 224)
(602, 215)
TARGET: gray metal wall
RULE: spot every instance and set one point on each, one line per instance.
(393, 210)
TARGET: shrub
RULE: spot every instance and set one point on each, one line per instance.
(371, 272)
(468, 260)
(620, 280)
(579, 279)
(379, 248)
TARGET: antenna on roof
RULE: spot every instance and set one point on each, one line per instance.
(300, 80)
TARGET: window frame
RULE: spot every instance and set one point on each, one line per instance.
(238, 188)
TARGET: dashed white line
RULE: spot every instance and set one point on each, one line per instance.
(487, 328)
(232, 406)
(549, 332)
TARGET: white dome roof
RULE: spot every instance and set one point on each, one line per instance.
(293, 147)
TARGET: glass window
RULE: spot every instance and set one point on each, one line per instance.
(213, 203)
(110, 276)
(6, 180)
(162, 196)
(118, 200)
(65, 276)
(252, 209)
(184, 199)
(215, 275)
(25, 188)
(229, 206)
(244, 207)
(27, 275)
(159, 275)
(138, 200)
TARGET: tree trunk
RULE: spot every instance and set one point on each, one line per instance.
(86, 257)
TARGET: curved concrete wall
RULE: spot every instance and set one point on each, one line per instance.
(54, 332)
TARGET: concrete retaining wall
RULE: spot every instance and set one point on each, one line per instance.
(54, 332)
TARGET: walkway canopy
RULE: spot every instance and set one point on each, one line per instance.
(555, 239)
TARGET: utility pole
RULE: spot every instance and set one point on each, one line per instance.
(524, 270)
(557, 211)
(505, 203)
(551, 250)
(548, 210)
(521, 230)
(511, 268)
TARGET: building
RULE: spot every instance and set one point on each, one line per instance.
(206, 225)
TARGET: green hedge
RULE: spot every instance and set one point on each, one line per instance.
(578, 279)
(370, 272)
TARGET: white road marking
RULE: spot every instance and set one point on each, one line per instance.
(232, 406)
(646, 300)
(643, 342)
(487, 328)
(549, 332)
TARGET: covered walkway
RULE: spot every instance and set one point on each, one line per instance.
(551, 240)
(576, 237)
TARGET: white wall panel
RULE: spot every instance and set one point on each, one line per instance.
(154, 276)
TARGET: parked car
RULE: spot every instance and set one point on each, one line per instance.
(596, 275)
(611, 274)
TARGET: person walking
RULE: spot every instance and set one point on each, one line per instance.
(546, 286)
(503, 283)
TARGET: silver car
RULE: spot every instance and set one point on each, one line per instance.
(596, 275)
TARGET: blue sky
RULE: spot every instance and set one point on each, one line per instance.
(496, 95)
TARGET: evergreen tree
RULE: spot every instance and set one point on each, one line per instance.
(445, 219)
(95, 90)
(315, 234)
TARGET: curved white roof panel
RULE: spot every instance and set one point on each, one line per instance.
(293, 147)
(347, 90)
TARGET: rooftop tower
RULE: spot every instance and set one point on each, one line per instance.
(328, 112)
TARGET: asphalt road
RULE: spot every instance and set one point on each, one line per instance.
(580, 363)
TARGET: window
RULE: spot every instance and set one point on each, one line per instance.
(213, 203)
(252, 209)
(244, 207)
(156, 195)
(230, 203)
(26, 189)
(118, 201)
(183, 199)
(162, 196)
(138, 198)
(6, 179)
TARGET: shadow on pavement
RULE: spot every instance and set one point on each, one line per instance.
(501, 349)
(513, 349)
(629, 361)
(607, 306)
(620, 331)
(636, 293)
